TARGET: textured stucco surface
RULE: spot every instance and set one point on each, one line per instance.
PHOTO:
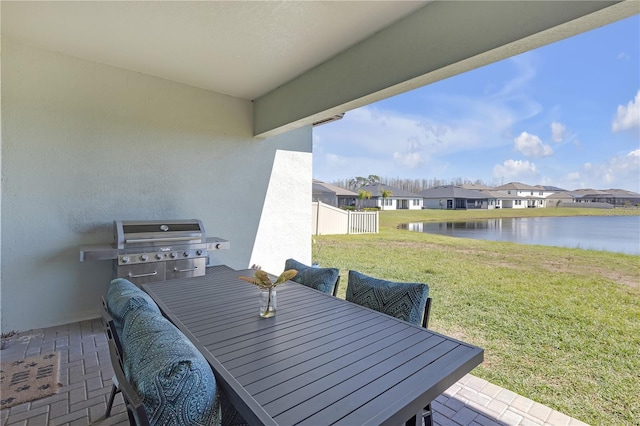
(85, 144)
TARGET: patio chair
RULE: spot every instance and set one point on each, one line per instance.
(123, 296)
(114, 339)
(406, 301)
(325, 280)
(135, 408)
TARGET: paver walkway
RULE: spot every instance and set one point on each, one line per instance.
(85, 375)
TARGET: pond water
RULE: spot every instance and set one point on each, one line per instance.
(619, 234)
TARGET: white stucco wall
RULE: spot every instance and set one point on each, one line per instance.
(270, 250)
(84, 144)
(1, 327)
(415, 207)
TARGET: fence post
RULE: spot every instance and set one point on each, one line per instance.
(318, 218)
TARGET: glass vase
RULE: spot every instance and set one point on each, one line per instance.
(268, 302)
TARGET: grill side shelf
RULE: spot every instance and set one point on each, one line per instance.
(97, 252)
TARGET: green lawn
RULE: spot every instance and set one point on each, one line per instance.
(560, 326)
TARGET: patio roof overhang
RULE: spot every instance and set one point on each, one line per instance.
(301, 62)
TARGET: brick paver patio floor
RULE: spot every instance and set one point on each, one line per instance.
(85, 375)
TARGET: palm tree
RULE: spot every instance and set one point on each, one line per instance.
(362, 194)
(385, 193)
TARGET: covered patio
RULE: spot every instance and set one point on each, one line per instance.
(156, 110)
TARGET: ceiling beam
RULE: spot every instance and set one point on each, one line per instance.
(442, 39)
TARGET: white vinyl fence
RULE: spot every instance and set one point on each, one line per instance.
(332, 220)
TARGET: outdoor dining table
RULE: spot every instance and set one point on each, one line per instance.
(320, 360)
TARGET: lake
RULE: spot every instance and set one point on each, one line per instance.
(619, 234)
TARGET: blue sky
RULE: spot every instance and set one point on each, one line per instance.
(566, 114)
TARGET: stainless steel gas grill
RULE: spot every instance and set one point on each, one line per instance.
(156, 250)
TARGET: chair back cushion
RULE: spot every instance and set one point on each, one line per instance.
(322, 279)
(171, 376)
(123, 297)
(405, 301)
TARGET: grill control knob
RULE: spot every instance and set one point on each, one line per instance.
(185, 254)
(174, 255)
(218, 246)
(124, 259)
(158, 256)
(144, 257)
(198, 252)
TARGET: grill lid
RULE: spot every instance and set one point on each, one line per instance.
(129, 234)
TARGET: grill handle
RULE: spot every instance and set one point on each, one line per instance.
(185, 270)
(142, 275)
(159, 240)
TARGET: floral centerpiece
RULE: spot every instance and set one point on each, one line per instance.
(268, 289)
(6, 338)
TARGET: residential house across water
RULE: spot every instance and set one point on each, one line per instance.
(513, 195)
(390, 198)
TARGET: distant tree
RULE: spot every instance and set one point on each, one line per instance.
(373, 179)
(385, 193)
(358, 182)
(411, 185)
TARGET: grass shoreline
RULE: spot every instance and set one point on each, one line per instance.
(559, 325)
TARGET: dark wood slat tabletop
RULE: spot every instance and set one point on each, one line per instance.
(320, 360)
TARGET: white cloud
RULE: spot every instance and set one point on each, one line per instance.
(390, 143)
(334, 160)
(409, 159)
(615, 172)
(573, 176)
(531, 146)
(627, 117)
(558, 132)
(412, 157)
(515, 170)
(423, 139)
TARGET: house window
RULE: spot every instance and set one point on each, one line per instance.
(416, 202)
(509, 192)
(540, 193)
(518, 202)
(388, 202)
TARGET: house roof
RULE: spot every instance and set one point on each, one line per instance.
(623, 193)
(476, 186)
(376, 191)
(617, 193)
(453, 191)
(327, 187)
(301, 61)
(518, 187)
(563, 195)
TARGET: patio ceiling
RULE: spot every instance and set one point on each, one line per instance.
(301, 61)
(240, 48)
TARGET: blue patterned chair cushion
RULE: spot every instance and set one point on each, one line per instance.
(123, 297)
(171, 376)
(405, 301)
(322, 279)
